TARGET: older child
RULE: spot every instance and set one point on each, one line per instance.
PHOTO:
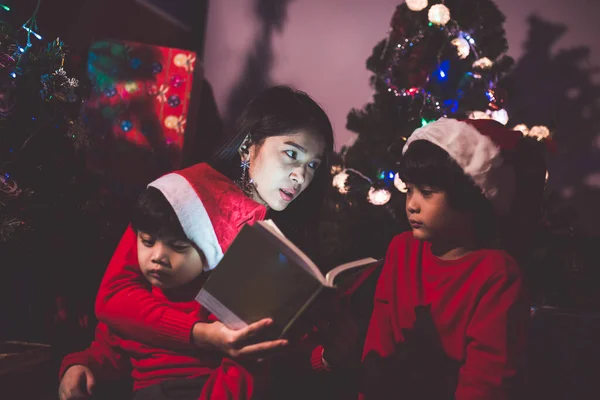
(449, 317)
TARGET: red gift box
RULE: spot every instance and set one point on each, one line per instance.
(138, 107)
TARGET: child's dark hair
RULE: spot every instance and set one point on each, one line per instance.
(154, 215)
(277, 111)
(427, 164)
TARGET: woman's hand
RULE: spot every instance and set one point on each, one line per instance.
(236, 343)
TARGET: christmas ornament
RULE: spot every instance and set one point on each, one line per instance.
(379, 197)
(462, 47)
(416, 5)
(439, 14)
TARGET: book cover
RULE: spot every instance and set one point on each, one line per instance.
(263, 275)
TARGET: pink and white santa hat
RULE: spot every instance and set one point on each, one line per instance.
(477, 147)
(210, 208)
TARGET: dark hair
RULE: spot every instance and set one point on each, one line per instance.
(425, 163)
(154, 215)
(278, 111)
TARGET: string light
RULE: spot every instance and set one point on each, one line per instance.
(379, 197)
(463, 49)
(339, 181)
(399, 184)
(523, 128)
(416, 5)
(439, 14)
(539, 132)
(38, 36)
(483, 63)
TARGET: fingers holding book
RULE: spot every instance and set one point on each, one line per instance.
(244, 342)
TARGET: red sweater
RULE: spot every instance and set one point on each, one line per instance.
(455, 323)
(112, 355)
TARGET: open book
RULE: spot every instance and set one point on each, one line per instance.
(264, 275)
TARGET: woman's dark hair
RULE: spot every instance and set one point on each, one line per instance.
(278, 111)
(154, 215)
(427, 164)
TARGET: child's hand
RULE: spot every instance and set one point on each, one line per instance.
(235, 343)
(77, 383)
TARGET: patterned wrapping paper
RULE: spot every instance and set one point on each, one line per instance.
(138, 108)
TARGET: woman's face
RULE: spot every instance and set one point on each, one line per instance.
(282, 167)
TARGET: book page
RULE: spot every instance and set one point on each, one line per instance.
(330, 277)
(306, 262)
(271, 224)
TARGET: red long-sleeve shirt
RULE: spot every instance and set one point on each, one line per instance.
(112, 355)
(471, 308)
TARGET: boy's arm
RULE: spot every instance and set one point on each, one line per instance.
(126, 304)
(101, 358)
(496, 339)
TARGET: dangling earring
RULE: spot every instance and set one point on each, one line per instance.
(245, 182)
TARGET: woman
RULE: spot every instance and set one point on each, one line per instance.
(279, 158)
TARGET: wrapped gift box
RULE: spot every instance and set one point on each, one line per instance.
(138, 109)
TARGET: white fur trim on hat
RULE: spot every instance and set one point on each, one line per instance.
(192, 215)
(477, 155)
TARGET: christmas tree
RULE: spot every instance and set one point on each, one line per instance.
(57, 220)
(439, 59)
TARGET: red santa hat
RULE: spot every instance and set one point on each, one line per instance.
(477, 146)
(210, 207)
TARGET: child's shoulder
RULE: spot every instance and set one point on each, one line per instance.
(402, 243)
(498, 263)
(404, 238)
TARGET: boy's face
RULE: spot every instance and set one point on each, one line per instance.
(168, 263)
(429, 214)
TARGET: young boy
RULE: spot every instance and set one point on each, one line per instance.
(449, 315)
(171, 259)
